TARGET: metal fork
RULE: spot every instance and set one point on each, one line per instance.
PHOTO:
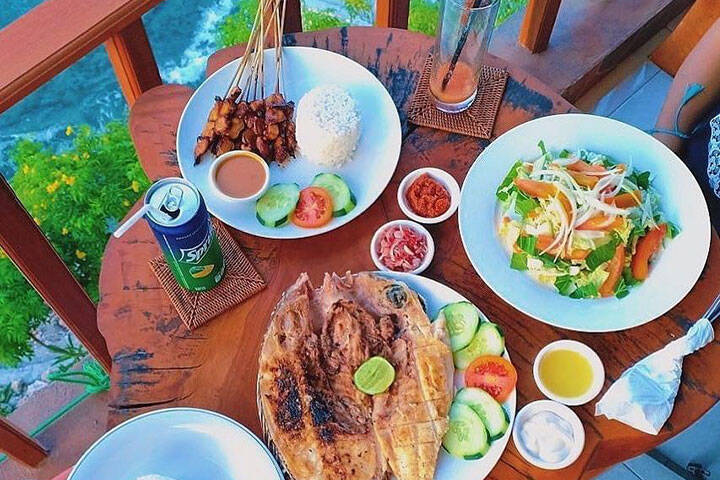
(713, 312)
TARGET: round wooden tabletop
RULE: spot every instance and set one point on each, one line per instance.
(158, 363)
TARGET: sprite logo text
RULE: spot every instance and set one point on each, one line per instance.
(196, 253)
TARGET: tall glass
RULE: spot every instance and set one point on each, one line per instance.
(463, 34)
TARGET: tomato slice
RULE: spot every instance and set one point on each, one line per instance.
(626, 200)
(493, 374)
(584, 180)
(614, 269)
(602, 223)
(544, 241)
(537, 189)
(314, 208)
(584, 167)
(647, 246)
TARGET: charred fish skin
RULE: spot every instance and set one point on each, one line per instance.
(320, 424)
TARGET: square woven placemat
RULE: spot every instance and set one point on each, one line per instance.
(241, 281)
(476, 121)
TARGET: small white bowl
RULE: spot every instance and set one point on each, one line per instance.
(596, 365)
(437, 174)
(409, 224)
(222, 158)
(563, 412)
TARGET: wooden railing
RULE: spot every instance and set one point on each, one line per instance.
(50, 38)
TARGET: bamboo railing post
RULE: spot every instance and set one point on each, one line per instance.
(538, 24)
(19, 445)
(26, 245)
(133, 61)
(392, 13)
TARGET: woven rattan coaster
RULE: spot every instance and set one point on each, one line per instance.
(476, 121)
(241, 281)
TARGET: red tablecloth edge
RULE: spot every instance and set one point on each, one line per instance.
(64, 475)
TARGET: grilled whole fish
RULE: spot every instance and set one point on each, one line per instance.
(324, 428)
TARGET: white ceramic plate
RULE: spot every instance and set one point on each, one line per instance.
(673, 274)
(367, 173)
(436, 295)
(178, 443)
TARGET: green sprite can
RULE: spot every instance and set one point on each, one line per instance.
(181, 223)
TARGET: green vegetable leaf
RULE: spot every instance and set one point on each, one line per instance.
(565, 285)
(628, 277)
(564, 153)
(621, 289)
(550, 262)
(641, 179)
(503, 192)
(541, 145)
(519, 261)
(601, 254)
(673, 230)
(524, 204)
(586, 291)
(526, 243)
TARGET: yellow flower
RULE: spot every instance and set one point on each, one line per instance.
(80, 254)
(69, 130)
(51, 187)
(3, 254)
(69, 180)
(76, 157)
(135, 186)
(65, 231)
(86, 155)
(26, 169)
(126, 203)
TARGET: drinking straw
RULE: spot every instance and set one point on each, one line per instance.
(131, 221)
(460, 45)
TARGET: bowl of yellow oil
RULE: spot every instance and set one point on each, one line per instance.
(569, 372)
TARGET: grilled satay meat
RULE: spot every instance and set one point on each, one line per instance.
(261, 126)
(323, 427)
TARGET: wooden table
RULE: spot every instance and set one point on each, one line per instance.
(158, 363)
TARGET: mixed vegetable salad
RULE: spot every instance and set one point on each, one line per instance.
(581, 222)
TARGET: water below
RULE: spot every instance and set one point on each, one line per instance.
(182, 34)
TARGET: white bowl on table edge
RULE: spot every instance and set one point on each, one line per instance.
(409, 224)
(447, 180)
(598, 371)
(177, 442)
(563, 412)
(223, 158)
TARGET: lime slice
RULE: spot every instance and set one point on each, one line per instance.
(374, 376)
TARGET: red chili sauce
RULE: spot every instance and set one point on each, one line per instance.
(427, 197)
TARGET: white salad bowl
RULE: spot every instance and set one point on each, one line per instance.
(447, 180)
(409, 224)
(178, 444)
(673, 273)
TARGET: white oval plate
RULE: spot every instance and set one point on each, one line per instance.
(436, 295)
(367, 173)
(178, 443)
(673, 274)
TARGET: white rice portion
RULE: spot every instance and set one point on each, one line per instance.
(328, 125)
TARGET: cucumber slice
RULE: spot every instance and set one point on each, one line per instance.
(489, 340)
(461, 320)
(492, 414)
(342, 198)
(273, 209)
(467, 437)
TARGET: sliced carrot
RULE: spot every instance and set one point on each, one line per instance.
(584, 167)
(584, 180)
(647, 246)
(601, 223)
(546, 190)
(626, 200)
(614, 269)
(544, 241)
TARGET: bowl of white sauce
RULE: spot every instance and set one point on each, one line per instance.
(548, 434)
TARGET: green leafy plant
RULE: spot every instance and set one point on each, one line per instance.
(76, 196)
(68, 355)
(424, 14)
(92, 376)
(320, 19)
